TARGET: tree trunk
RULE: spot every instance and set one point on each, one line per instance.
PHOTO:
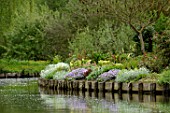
(142, 43)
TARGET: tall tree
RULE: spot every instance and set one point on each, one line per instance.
(138, 14)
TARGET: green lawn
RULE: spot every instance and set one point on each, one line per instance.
(18, 66)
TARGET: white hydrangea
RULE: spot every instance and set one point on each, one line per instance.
(54, 68)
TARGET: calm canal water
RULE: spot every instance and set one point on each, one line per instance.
(24, 96)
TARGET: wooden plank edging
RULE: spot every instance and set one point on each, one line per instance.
(104, 86)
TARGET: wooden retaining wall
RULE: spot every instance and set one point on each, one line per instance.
(18, 75)
(93, 86)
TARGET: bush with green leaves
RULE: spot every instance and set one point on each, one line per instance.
(132, 62)
(52, 70)
(131, 75)
(164, 77)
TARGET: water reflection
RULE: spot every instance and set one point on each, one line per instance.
(24, 96)
(93, 102)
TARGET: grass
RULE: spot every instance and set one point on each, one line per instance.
(17, 66)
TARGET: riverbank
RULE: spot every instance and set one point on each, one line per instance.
(11, 68)
(19, 75)
(83, 85)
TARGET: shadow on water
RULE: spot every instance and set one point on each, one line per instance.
(24, 96)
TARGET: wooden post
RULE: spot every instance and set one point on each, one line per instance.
(153, 87)
(109, 86)
(140, 88)
(82, 85)
(120, 88)
(129, 87)
(68, 85)
(101, 86)
(115, 86)
(89, 86)
(147, 87)
(64, 85)
(94, 86)
(60, 85)
(76, 85)
(46, 83)
(55, 84)
(71, 85)
(51, 85)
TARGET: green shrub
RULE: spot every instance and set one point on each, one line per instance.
(96, 57)
(104, 62)
(164, 77)
(118, 66)
(131, 75)
(56, 59)
(75, 63)
(132, 62)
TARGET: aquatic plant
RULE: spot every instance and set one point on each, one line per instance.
(131, 75)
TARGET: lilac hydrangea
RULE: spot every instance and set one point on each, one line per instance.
(77, 74)
(111, 74)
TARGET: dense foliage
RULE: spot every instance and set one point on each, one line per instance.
(87, 32)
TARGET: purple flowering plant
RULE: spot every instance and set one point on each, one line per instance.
(78, 73)
(111, 74)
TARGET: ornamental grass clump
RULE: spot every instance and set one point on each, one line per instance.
(108, 75)
(79, 73)
(131, 75)
(52, 70)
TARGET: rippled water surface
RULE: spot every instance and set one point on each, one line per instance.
(24, 96)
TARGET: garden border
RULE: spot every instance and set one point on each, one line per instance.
(83, 85)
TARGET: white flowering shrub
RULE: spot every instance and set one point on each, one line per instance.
(131, 75)
(59, 75)
(51, 70)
